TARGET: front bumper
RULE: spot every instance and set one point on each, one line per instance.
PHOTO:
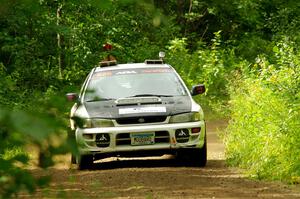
(165, 138)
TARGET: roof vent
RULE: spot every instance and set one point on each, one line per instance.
(108, 63)
(161, 56)
(154, 61)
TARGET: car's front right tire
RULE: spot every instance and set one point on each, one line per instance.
(73, 159)
(85, 162)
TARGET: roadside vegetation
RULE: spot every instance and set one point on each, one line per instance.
(263, 132)
(245, 52)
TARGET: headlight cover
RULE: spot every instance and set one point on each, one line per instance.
(186, 117)
(94, 123)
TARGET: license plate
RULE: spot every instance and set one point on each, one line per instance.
(142, 138)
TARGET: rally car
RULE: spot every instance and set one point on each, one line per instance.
(137, 109)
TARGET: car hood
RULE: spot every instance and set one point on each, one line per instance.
(134, 107)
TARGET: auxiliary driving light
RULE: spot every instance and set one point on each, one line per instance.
(102, 140)
(182, 135)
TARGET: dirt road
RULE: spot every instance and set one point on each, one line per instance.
(161, 178)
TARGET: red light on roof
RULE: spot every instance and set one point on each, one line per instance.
(107, 46)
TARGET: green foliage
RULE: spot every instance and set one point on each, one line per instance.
(210, 66)
(263, 134)
(39, 127)
(29, 34)
(34, 69)
(43, 54)
(34, 122)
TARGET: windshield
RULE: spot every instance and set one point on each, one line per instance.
(117, 84)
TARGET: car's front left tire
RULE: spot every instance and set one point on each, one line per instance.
(199, 156)
(193, 156)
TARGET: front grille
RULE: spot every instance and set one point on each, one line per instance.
(123, 139)
(141, 120)
(160, 137)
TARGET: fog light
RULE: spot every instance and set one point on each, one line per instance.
(182, 135)
(196, 130)
(102, 140)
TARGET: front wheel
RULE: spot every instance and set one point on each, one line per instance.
(73, 159)
(199, 156)
(193, 157)
(85, 162)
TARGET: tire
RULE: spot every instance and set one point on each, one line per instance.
(73, 159)
(193, 157)
(199, 156)
(85, 162)
(71, 137)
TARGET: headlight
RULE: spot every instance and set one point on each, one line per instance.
(93, 123)
(186, 117)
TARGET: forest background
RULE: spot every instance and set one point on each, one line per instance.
(246, 52)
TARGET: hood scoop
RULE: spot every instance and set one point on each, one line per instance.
(138, 101)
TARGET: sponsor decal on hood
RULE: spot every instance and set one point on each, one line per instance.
(147, 109)
(111, 110)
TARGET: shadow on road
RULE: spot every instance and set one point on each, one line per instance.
(150, 163)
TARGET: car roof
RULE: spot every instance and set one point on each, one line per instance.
(131, 66)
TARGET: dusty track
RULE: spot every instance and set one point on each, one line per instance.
(160, 178)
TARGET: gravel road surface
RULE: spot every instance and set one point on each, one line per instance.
(160, 177)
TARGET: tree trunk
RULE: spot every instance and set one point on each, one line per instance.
(59, 42)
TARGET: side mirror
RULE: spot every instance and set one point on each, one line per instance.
(198, 89)
(71, 97)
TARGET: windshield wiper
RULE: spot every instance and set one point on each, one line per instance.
(99, 99)
(150, 95)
